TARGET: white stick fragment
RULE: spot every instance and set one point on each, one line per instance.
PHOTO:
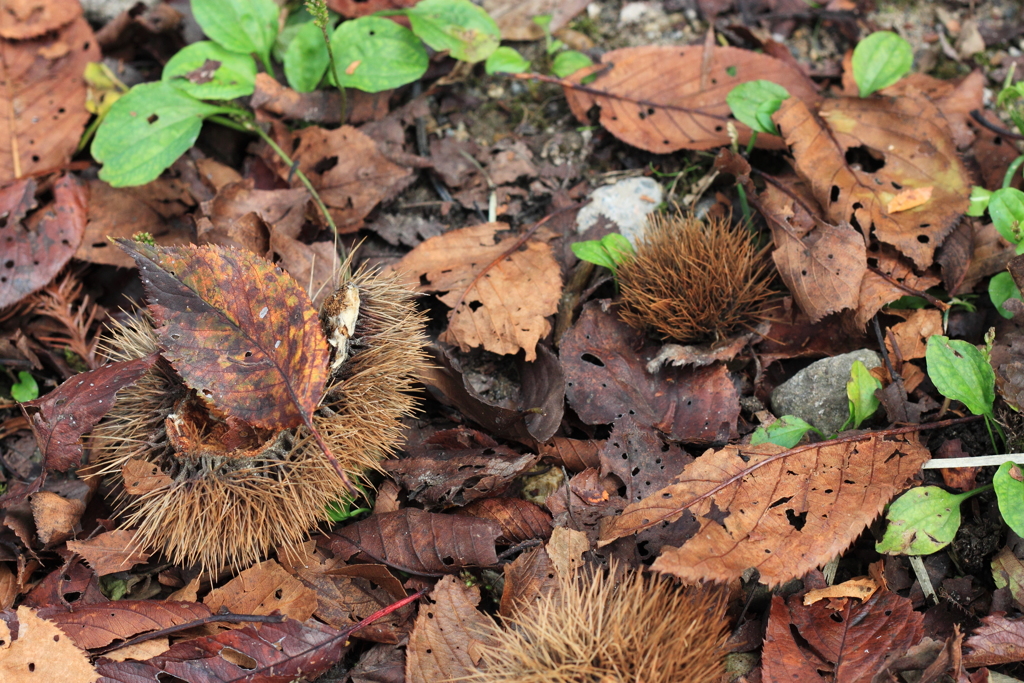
(977, 461)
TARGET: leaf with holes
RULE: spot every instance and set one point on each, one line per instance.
(666, 98)
(35, 247)
(146, 131)
(239, 331)
(857, 155)
(781, 514)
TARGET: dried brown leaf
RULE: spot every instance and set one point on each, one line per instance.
(575, 455)
(529, 577)
(520, 519)
(37, 246)
(286, 651)
(110, 552)
(905, 144)
(261, 589)
(656, 97)
(781, 515)
(55, 516)
(852, 644)
(446, 640)
(73, 408)
(42, 89)
(34, 650)
(606, 379)
(998, 640)
(418, 542)
(100, 624)
(506, 309)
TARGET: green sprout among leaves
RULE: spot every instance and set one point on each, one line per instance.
(880, 60)
(610, 251)
(25, 389)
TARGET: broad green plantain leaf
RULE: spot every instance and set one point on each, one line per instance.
(207, 71)
(1008, 482)
(880, 60)
(1000, 289)
(922, 521)
(786, 432)
(1006, 207)
(375, 54)
(754, 102)
(146, 131)
(459, 26)
(506, 60)
(961, 372)
(244, 26)
(569, 62)
(861, 392)
(306, 59)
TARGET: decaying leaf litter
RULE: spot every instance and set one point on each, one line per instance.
(557, 417)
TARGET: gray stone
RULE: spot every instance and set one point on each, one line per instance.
(626, 203)
(817, 393)
(102, 11)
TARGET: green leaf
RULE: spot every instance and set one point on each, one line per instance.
(979, 201)
(244, 26)
(146, 131)
(306, 59)
(1000, 288)
(922, 521)
(375, 54)
(861, 392)
(464, 29)
(880, 60)
(594, 252)
(618, 247)
(1009, 488)
(1006, 207)
(25, 389)
(754, 102)
(569, 62)
(506, 60)
(786, 432)
(207, 71)
(961, 372)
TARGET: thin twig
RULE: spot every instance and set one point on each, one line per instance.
(976, 115)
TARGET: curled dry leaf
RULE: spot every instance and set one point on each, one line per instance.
(891, 277)
(262, 589)
(506, 309)
(666, 98)
(36, 650)
(43, 91)
(538, 411)
(898, 144)
(781, 515)
(55, 516)
(530, 576)
(520, 519)
(100, 624)
(110, 552)
(912, 334)
(73, 408)
(641, 459)
(347, 594)
(852, 644)
(606, 379)
(575, 455)
(418, 542)
(37, 246)
(446, 640)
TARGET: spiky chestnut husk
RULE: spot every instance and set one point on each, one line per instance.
(231, 508)
(694, 281)
(599, 627)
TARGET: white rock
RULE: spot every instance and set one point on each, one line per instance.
(626, 203)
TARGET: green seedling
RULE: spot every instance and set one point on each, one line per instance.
(1008, 482)
(344, 509)
(754, 102)
(25, 389)
(860, 391)
(880, 60)
(961, 372)
(506, 60)
(923, 520)
(565, 62)
(786, 432)
(610, 252)
(1002, 288)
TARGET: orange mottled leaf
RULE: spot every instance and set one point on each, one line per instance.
(239, 330)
